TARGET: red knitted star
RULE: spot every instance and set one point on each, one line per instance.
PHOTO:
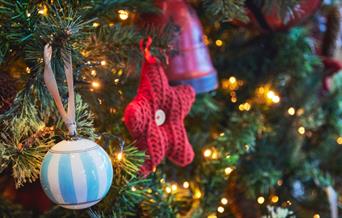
(155, 117)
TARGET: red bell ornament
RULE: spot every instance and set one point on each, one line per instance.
(189, 59)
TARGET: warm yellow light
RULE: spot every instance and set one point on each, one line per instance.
(111, 24)
(214, 155)
(133, 188)
(93, 73)
(233, 99)
(212, 216)
(149, 191)
(228, 170)
(273, 97)
(168, 190)
(339, 140)
(207, 152)
(219, 43)
(186, 184)
(316, 215)
(95, 84)
(28, 15)
(291, 111)
(174, 187)
(197, 194)
(224, 201)
(301, 130)
(241, 107)
(275, 199)
(280, 182)
(96, 24)
(119, 156)
(232, 79)
(247, 106)
(162, 181)
(123, 14)
(220, 209)
(103, 63)
(43, 10)
(28, 70)
(261, 200)
(206, 40)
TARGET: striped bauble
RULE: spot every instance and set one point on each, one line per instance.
(76, 174)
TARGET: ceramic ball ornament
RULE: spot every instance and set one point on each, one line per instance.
(76, 174)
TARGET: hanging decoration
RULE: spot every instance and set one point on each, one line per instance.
(189, 59)
(155, 117)
(75, 173)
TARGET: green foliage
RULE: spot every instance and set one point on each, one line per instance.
(227, 10)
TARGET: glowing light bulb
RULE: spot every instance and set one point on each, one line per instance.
(197, 194)
(291, 111)
(316, 215)
(232, 79)
(95, 84)
(96, 24)
(168, 190)
(119, 156)
(43, 10)
(123, 14)
(212, 216)
(133, 188)
(275, 199)
(339, 140)
(28, 70)
(220, 209)
(162, 181)
(228, 170)
(301, 130)
(261, 200)
(174, 187)
(186, 184)
(103, 63)
(218, 43)
(224, 201)
(207, 152)
(93, 73)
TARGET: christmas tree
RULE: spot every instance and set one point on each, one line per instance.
(256, 133)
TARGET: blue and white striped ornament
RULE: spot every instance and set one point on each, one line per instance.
(76, 174)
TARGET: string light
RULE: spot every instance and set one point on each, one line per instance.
(228, 170)
(224, 201)
(96, 24)
(123, 14)
(119, 156)
(218, 43)
(288, 202)
(280, 182)
(273, 97)
(206, 40)
(316, 215)
(174, 187)
(291, 111)
(95, 84)
(301, 130)
(261, 200)
(197, 194)
(220, 209)
(168, 190)
(149, 191)
(28, 70)
(186, 184)
(339, 140)
(275, 199)
(232, 79)
(103, 63)
(43, 10)
(93, 73)
(133, 188)
(162, 180)
(245, 106)
(207, 152)
(212, 215)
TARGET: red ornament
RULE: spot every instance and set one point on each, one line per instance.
(155, 117)
(332, 66)
(272, 19)
(189, 59)
(31, 196)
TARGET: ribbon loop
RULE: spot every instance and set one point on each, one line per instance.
(146, 49)
(51, 84)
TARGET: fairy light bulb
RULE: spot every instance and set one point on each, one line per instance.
(174, 187)
(261, 200)
(301, 130)
(133, 188)
(220, 209)
(186, 184)
(291, 111)
(103, 63)
(207, 153)
(43, 10)
(96, 24)
(218, 43)
(275, 199)
(224, 201)
(119, 156)
(339, 140)
(316, 215)
(228, 170)
(123, 14)
(95, 84)
(197, 194)
(168, 190)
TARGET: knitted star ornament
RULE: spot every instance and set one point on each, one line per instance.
(155, 116)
